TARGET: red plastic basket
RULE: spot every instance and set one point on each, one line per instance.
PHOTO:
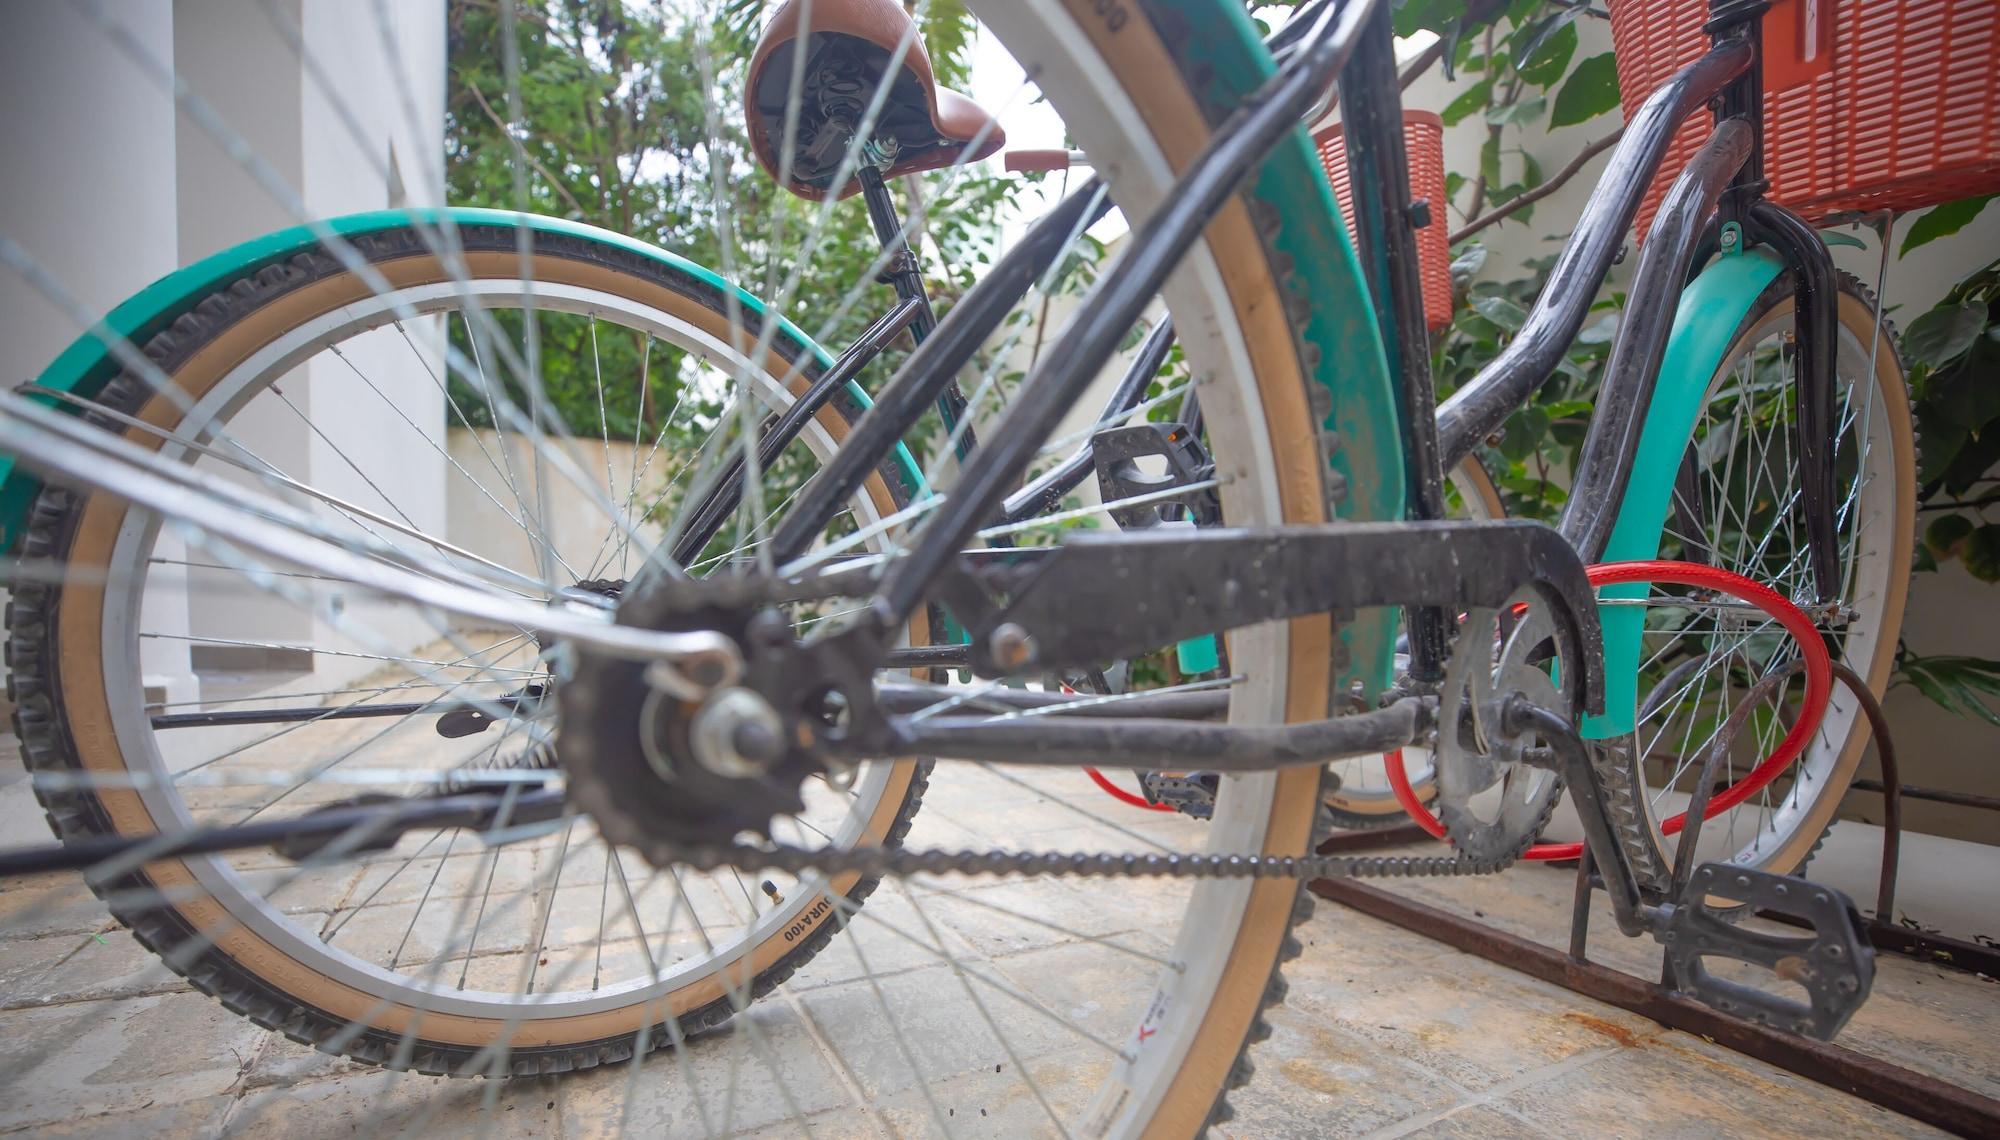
(1423, 140)
(1868, 104)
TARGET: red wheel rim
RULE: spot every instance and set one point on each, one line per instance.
(1819, 686)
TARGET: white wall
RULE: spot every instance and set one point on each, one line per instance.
(87, 189)
(109, 188)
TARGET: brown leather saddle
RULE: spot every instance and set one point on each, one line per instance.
(848, 49)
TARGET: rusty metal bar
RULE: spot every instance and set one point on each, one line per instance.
(1933, 795)
(1916, 1095)
(1345, 842)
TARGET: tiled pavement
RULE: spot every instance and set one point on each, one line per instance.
(1384, 1033)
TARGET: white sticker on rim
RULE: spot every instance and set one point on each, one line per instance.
(1117, 1092)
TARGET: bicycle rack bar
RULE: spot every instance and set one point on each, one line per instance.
(1918, 1095)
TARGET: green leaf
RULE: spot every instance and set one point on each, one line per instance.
(1531, 172)
(1842, 237)
(1466, 265)
(1524, 432)
(1468, 101)
(1956, 684)
(1501, 312)
(1944, 333)
(1547, 55)
(1946, 536)
(1590, 91)
(1517, 113)
(1489, 161)
(1413, 16)
(1943, 221)
(1981, 553)
(1599, 331)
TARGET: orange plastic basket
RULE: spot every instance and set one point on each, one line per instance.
(1423, 139)
(1868, 104)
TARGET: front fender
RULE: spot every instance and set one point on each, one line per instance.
(1712, 308)
(88, 364)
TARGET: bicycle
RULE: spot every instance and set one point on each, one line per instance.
(644, 721)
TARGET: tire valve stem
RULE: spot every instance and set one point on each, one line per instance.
(771, 892)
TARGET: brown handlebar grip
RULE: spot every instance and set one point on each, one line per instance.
(1019, 161)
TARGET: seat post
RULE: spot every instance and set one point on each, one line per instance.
(904, 274)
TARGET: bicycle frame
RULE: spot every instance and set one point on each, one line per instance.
(1727, 168)
(1725, 176)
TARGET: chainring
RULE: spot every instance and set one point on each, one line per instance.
(1493, 803)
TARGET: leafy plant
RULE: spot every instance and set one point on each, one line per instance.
(630, 117)
(1517, 66)
(1953, 354)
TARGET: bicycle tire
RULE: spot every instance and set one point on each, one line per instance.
(1883, 487)
(1308, 371)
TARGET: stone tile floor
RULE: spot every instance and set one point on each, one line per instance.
(1383, 1034)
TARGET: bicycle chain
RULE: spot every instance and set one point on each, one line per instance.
(935, 861)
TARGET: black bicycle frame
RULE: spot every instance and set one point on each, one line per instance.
(1726, 77)
(1723, 183)
(1724, 175)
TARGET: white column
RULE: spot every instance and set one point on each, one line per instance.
(87, 188)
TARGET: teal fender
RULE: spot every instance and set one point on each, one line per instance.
(1711, 311)
(88, 365)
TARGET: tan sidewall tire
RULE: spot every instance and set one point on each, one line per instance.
(1858, 321)
(86, 704)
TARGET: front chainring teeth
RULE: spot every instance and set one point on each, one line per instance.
(1476, 680)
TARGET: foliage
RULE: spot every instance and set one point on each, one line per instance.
(631, 118)
(1518, 66)
(1538, 445)
(1523, 78)
(1515, 62)
(1965, 685)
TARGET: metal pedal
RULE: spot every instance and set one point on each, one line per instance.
(1835, 963)
(1117, 452)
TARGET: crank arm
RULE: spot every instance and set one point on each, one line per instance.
(1103, 598)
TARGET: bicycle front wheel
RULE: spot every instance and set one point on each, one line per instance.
(1736, 506)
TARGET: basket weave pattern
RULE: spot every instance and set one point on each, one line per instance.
(1423, 141)
(1889, 104)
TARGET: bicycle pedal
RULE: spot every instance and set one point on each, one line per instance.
(1119, 475)
(1834, 964)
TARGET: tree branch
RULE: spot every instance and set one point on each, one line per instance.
(1500, 213)
(554, 182)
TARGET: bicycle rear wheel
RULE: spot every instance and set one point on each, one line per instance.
(435, 924)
